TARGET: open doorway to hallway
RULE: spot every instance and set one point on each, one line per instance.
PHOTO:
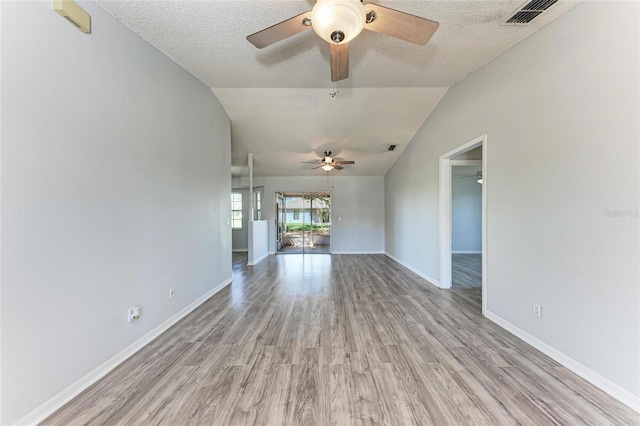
(466, 223)
(303, 222)
(463, 263)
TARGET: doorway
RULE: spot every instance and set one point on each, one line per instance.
(453, 158)
(466, 222)
(303, 222)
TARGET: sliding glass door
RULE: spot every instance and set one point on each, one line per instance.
(303, 222)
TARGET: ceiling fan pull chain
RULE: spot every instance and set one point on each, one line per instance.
(336, 90)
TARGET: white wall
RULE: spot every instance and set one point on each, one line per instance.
(358, 200)
(258, 241)
(466, 213)
(561, 113)
(115, 187)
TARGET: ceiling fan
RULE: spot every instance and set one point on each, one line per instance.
(477, 177)
(340, 21)
(327, 163)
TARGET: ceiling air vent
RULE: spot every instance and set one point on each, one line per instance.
(529, 12)
(391, 147)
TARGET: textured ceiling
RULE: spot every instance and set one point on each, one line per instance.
(208, 39)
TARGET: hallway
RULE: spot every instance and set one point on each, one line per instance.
(466, 271)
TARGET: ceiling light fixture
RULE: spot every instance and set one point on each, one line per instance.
(327, 168)
(338, 21)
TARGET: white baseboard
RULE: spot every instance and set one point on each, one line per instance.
(414, 270)
(258, 260)
(357, 252)
(466, 252)
(239, 250)
(52, 405)
(581, 370)
(272, 252)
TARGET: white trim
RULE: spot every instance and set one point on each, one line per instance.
(616, 391)
(244, 250)
(485, 220)
(444, 225)
(431, 280)
(358, 252)
(272, 252)
(49, 407)
(466, 252)
(258, 260)
(444, 206)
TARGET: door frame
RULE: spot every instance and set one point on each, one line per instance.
(444, 227)
(303, 193)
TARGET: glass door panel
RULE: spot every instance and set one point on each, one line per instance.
(320, 222)
(304, 222)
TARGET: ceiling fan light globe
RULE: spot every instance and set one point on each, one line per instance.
(346, 16)
(327, 168)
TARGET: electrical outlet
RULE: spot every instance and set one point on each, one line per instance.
(537, 310)
(172, 293)
(133, 314)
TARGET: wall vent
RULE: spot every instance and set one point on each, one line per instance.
(529, 12)
(391, 147)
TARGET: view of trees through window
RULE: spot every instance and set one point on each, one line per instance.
(311, 212)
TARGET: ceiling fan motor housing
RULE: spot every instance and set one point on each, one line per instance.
(338, 21)
(337, 36)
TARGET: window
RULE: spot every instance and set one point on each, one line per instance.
(296, 215)
(236, 210)
(258, 205)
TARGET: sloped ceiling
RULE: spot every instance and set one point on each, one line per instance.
(280, 98)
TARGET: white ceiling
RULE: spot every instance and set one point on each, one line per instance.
(465, 171)
(278, 97)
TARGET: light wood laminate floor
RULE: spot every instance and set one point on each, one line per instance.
(466, 271)
(339, 340)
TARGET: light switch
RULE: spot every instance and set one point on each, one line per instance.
(228, 221)
(339, 218)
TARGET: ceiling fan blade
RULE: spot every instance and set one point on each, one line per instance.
(344, 162)
(316, 167)
(311, 162)
(338, 167)
(400, 25)
(339, 61)
(278, 32)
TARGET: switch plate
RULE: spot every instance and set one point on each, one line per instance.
(172, 293)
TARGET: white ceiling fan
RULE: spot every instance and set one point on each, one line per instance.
(328, 163)
(477, 177)
(340, 21)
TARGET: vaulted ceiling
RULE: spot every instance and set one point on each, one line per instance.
(280, 99)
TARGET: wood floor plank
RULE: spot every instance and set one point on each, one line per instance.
(341, 340)
(304, 404)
